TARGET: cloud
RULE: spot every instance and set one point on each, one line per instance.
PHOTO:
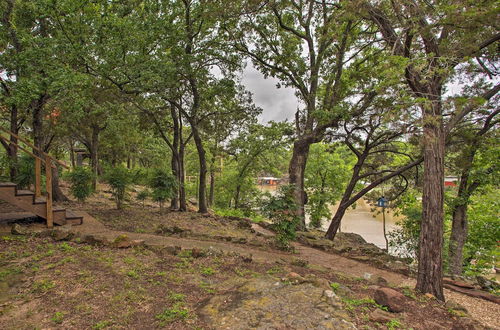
(278, 104)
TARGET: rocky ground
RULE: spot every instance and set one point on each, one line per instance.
(137, 268)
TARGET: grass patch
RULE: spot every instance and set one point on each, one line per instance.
(175, 313)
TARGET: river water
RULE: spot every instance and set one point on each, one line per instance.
(361, 220)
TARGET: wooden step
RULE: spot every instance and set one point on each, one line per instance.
(26, 200)
(7, 184)
(73, 218)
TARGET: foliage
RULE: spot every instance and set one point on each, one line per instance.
(481, 250)
(281, 210)
(119, 180)
(143, 195)
(80, 183)
(404, 239)
(163, 185)
(327, 173)
(25, 172)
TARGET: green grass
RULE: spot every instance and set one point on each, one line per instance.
(175, 313)
(58, 317)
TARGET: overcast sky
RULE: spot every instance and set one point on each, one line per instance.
(278, 104)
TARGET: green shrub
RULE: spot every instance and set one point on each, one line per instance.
(81, 183)
(142, 196)
(164, 186)
(119, 180)
(25, 172)
(281, 210)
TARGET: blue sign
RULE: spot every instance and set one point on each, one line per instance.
(382, 202)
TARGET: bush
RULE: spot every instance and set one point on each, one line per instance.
(81, 183)
(164, 186)
(281, 210)
(25, 172)
(143, 195)
(119, 180)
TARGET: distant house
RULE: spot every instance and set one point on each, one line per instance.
(268, 181)
(450, 181)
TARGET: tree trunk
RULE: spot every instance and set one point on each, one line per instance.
(12, 150)
(72, 153)
(94, 156)
(212, 188)
(174, 161)
(430, 272)
(182, 179)
(346, 201)
(57, 194)
(202, 187)
(459, 225)
(336, 220)
(237, 196)
(457, 239)
(296, 171)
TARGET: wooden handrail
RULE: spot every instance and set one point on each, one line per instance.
(49, 162)
(44, 154)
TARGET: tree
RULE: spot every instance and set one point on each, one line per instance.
(119, 180)
(473, 174)
(325, 179)
(377, 140)
(163, 186)
(319, 49)
(253, 151)
(433, 37)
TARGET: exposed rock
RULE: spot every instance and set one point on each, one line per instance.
(94, 240)
(173, 250)
(295, 278)
(197, 253)
(17, 229)
(263, 303)
(172, 230)
(62, 233)
(391, 299)
(123, 241)
(487, 284)
(381, 281)
(381, 316)
(459, 283)
(452, 304)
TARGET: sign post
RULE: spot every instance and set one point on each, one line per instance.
(382, 202)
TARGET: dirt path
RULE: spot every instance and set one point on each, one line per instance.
(486, 312)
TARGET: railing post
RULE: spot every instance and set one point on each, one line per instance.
(48, 187)
(38, 177)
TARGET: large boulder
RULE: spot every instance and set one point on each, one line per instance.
(62, 233)
(264, 303)
(390, 298)
(17, 229)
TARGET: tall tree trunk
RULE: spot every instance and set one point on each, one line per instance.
(94, 155)
(430, 270)
(345, 201)
(459, 226)
(182, 178)
(457, 239)
(72, 153)
(57, 194)
(12, 150)
(296, 171)
(202, 187)
(212, 188)
(174, 161)
(237, 196)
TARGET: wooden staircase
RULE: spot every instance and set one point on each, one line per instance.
(34, 202)
(26, 200)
